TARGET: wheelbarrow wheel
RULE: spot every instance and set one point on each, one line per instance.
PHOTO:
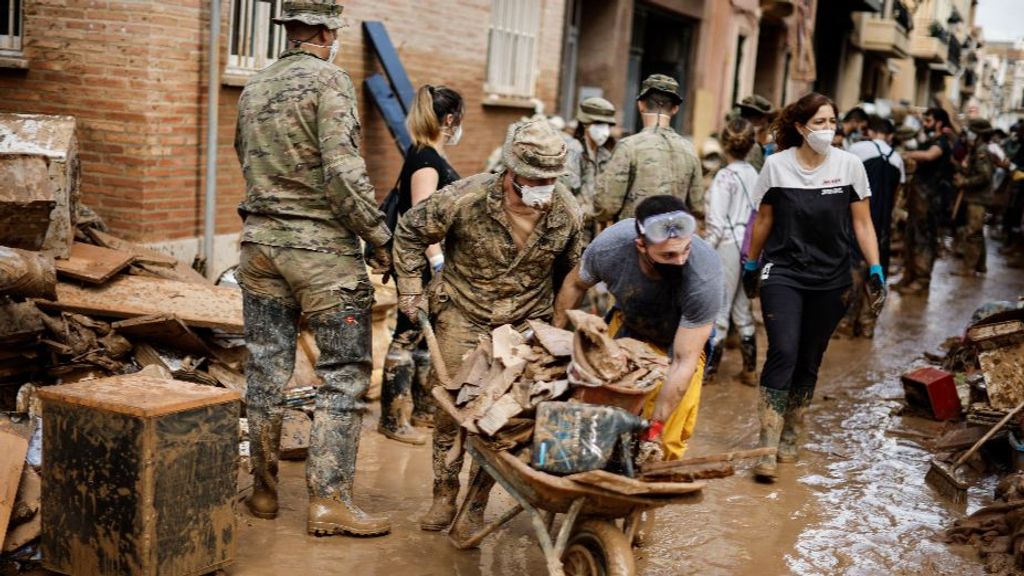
(598, 548)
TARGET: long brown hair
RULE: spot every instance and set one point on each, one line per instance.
(799, 112)
(432, 104)
(738, 138)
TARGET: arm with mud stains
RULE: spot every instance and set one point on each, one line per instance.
(422, 225)
(346, 184)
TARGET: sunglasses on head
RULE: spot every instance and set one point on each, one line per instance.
(660, 227)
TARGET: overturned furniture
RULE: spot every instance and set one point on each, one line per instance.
(139, 477)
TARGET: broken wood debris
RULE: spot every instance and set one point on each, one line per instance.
(93, 264)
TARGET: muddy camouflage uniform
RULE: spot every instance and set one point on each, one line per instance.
(924, 194)
(487, 281)
(977, 187)
(308, 202)
(652, 162)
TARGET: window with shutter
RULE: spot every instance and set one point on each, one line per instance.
(10, 27)
(512, 48)
(254, 41)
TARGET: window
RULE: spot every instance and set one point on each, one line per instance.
(512, 48)
(10, 27)
(254, 41)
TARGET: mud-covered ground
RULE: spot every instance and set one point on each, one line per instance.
(855, 504)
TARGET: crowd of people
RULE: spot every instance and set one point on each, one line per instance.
(799, 213)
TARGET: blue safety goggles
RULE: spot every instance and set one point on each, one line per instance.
(660, 227)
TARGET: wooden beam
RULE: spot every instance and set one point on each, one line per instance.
(93, 264)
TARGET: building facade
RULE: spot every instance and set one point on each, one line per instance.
(134, 75)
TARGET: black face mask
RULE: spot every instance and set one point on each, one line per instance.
(669, 271)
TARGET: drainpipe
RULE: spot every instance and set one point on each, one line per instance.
(213, 80)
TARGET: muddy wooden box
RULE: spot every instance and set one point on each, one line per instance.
(138, 477)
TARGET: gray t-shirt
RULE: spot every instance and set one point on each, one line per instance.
(654, 309)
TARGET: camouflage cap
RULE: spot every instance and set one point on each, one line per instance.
(596, 110)
(660, 83)
(313, 12)
(755, 104)
(534, 150)
(979, 126)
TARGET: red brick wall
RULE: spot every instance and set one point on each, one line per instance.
(133, 73)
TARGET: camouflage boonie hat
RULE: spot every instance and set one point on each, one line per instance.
(312, 12)
(660, 83)
(979, 126)
(756, 104)
(534, 150)
(596, 110)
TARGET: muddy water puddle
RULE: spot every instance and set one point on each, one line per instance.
(856, 504)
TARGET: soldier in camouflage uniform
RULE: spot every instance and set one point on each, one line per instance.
(308, 202)
(509, 238)
(759, 111)
(975, 179)
(653, 162)
(589, 153)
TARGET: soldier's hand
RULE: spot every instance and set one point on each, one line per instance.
(876, 289)
(380, 261)
(411, 304)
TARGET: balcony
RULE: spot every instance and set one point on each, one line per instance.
(884, 36)
(930, 49)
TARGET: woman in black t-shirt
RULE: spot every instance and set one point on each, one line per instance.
(434, 121)
(813, 200)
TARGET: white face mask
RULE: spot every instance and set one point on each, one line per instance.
(536, 196)
(456, 136)
(334, 46)
(599, 133)
(971, 137)
(820, 140)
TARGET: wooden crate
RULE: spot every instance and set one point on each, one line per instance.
(138, 477)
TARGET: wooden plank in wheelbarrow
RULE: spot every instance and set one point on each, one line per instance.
(632, 486)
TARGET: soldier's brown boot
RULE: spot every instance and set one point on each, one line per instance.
(441, 513)
(264, 447)
(770, 407)
(327, 517)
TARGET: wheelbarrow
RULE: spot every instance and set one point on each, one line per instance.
(589, 540)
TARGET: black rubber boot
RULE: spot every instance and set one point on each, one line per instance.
(713, 363)
(396, 397)
(271, 329)
(770, 408)
(748, 349)
(423, 405)
(343, 336)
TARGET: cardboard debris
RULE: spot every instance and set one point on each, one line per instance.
(228, 378)
(165, 329)
(594, 351)
(20, 323)
(556, 341)
(93, 264)
(23, 534)
(26, 503)
(13, 449)
(204, 306)
(1004, 375)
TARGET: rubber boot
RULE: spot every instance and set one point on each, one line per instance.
(714, 361)
(473, 520)
(423, 405)
(396, 398)
(271, 329)
(446, 475)
(345, 363)
(748, 349)
(793, 425)
(770, 408)
(264, 449)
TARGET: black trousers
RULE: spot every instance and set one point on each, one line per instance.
(799, 324)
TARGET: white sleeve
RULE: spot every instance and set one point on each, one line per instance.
(717, 202)
(901, 166)
(859, 178)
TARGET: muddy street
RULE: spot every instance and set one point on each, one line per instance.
(855, 504)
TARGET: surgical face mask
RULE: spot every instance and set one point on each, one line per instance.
(456, 136)
(334, 46)
(971, 137)
(535, 196)
(599, 133)
(820, 140)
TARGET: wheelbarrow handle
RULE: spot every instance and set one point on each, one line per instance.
(435, 350)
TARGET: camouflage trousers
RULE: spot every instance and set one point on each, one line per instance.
(333, 291)
(972, 235)
(921, 239)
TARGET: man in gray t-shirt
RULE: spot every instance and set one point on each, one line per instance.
(668, 289)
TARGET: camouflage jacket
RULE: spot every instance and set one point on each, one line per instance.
(756, 157)
(485, 275)
(653, 162)
(977, 176)
(582, 173)
(297, 139)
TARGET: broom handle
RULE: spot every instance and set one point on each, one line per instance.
(987, 435)
(435, 350)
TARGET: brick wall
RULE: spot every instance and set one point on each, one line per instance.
(133, 73)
